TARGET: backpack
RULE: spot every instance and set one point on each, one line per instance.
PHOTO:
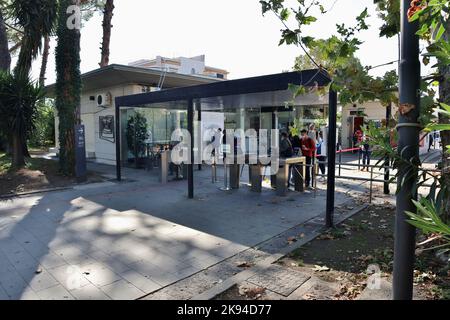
(290, 151)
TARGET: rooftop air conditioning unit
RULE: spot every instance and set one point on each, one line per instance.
(104, 100)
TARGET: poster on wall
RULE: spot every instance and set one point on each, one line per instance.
(106, 126)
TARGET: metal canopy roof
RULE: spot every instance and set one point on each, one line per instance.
(263, 90)
(115, 74)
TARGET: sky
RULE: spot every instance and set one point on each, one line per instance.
(232, 34)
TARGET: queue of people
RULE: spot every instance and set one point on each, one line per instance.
(308, 144)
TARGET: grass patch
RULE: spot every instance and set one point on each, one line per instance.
(38, 174)
(30, 164)
(364, 240)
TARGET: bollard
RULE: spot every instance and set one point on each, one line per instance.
(214, 173)
(225, 187)
(359, 159)
(164, 167)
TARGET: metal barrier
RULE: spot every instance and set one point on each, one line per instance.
(371, 180)
(315, 173)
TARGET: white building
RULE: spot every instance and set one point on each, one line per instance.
(100, 88)
(193, 66)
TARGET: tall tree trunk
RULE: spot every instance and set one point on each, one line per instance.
(68, 86)
(107, 18)
(45, 54)
(5, 65)
(18, 157)
(444, 96)
(5, 57)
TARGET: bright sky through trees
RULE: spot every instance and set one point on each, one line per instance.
(232, 33)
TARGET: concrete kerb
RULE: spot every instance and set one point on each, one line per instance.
(267, 262)
(58, 189)
(23, 194)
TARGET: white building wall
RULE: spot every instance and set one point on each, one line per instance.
(105, 151)
(188, 65)
(101, 150)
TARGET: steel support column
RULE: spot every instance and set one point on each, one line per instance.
(331, 154)
(190, 119)
(118, 135)
(199, 131)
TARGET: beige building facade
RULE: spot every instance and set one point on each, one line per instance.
(357, 116)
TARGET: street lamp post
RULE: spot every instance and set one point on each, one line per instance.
(387, 160)
(408, 146)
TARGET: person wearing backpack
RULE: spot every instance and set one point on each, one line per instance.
(286, 150)
(308, 148)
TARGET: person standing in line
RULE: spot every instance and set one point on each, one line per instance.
(431, 141)
(296, 144)
(314, 135)
(366, 153)
(321, 155)
(286, 150)
(308, 148)
(312, 132)
(216, 141)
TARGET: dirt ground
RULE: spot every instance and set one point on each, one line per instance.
(341, 257)
(39, 174)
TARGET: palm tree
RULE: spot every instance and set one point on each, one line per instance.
(18, 100)
(5, 57)
(37, 20)
(44, 61)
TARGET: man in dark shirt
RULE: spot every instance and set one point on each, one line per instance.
(286, 150)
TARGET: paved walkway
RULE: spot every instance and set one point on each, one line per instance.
(123, 241)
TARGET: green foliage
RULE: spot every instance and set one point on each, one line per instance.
(433, 19)
(295, 129)
(444, 109)
(36, 19)
(350, 78)
(428, 219)
(44, 126)
(18, 102)
(336, 54)
(389, 13)
(137, 134)
(353, 83)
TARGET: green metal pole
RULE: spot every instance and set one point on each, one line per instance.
(331, 153)
(408, 146)
(387, 160)
(190, 119)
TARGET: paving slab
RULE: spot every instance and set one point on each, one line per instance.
(122, 290)
(279, 279)
(140, 281)
(89, 292)
(57, 292)
(138, 235)
(316, 289)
